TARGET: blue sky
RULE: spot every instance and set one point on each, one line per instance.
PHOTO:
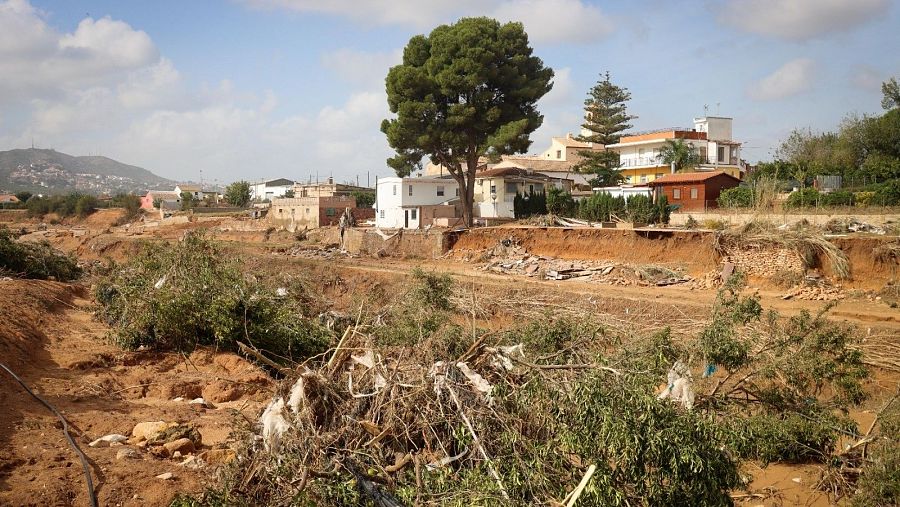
(269, 88)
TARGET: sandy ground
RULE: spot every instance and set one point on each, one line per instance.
(49, 337)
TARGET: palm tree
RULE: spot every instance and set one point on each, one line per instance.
(680, 153)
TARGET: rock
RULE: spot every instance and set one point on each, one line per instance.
(148, 430)
(128, 453)
(200, 402)
(176, 454)
(175, 432)
(182, 445)
(217, 456)
(192, 462)
(107, 440)
(168, 476)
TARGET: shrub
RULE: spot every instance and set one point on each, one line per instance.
(879, 483)
(837, 198)
(737, 197)
(802, 198)
(691, 223)
(601, 207)
(420, 312)
(560, 202)
(35, 260)
(888, 194)
(63, 205)
(178, 296)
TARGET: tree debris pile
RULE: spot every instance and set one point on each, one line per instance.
(178, 296)
(438, 416)
(29, 259)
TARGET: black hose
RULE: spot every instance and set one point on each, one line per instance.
(81, 456)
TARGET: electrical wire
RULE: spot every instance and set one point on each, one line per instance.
(84, 463)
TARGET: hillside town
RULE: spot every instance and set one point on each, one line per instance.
(392, 255)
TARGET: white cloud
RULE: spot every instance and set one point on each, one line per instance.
(546, 21)
(792, 78)
(800, 19)
(38, 62)
(555, 21)
(362, 67)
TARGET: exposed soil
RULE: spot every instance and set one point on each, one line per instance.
(49, 338)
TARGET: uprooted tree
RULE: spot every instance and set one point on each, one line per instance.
(465, 91)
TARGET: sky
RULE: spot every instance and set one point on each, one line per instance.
(253, 89)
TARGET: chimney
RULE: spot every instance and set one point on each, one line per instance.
(330, 180)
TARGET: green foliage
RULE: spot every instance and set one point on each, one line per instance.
(890, 90)
(879, 483)
(792, 437)
(178, 296)
(560, 202)
(288, 194)
(35, 260)
(642, 209)
(887, 194)
(188, 201)
(803, 198)
(23, 196)
(130, 203)
(529, 204)
(462, 92)
(364, 198)
(606, 118)
(420, 313)
(680, 153)
(837, 198)
(737, 197)
(601, 207)
(238, 194)
(74, 204)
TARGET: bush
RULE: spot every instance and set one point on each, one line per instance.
(35, 260)
(601, 207)
(879, 483)
(419, 313)
(837, 198)
(888, 194)
(529, 204)
(737, 197)
(63, 205)
(178, 296)
(802, 198)
(560, 202)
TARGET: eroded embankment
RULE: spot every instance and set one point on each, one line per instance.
(693, 250)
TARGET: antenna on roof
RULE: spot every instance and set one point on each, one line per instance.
(705, 109)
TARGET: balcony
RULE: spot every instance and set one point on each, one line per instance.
(634, 162)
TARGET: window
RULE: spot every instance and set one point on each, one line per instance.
(395, 189)
(641, 152)
(329, 212)
(410, 189)
(293, 211)
(558, 153)
(381, 213)
(676, 193)
(412, 214)
(644, 178)
(659, 175)
(493, 189)
(693, 193)
(511, 188)
(307, 211)
(703, 159)
(531, 189)
(457, 191)
(440, 191)
(721, 154)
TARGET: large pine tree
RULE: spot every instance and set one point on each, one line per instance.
(605, 118)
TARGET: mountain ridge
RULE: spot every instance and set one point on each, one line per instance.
(50, 171)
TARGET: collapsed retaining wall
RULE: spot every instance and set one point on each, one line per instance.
(729, 218)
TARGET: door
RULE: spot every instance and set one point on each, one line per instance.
(406, 219)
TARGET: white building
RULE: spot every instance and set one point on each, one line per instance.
(411, 203)
(711, 138)
(624, 191)
(270, 189)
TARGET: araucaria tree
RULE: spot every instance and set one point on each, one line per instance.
(605, 119)
(465, 91)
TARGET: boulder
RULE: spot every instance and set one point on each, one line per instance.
(128, 453)
(182, 445)
(217, 456)
(148, 430)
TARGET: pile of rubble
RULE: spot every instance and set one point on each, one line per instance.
(549, 268)
(815, 293)
(305, 252)
(844, 226)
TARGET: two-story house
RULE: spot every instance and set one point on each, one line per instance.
(412, 203)
(711, 137)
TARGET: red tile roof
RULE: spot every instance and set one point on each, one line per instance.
(690, 177)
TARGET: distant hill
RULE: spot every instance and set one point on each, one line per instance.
(49, 171)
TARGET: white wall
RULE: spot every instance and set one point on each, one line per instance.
(717, 129)
(393, 193)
